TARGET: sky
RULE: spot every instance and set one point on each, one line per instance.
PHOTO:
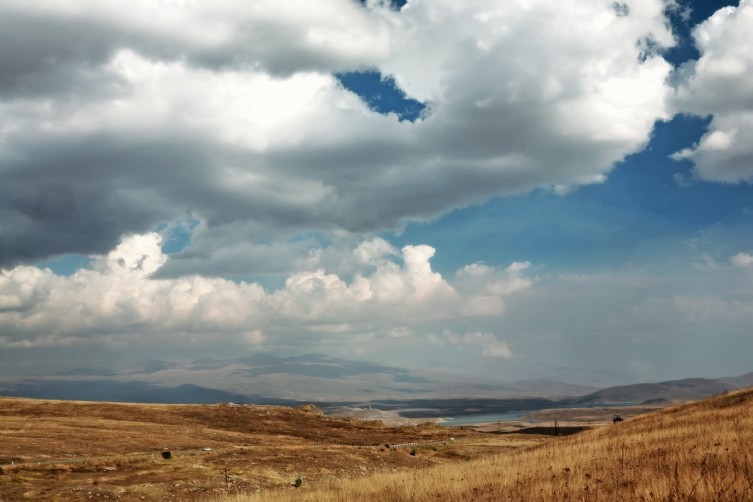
(509, 190)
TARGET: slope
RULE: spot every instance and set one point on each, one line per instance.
(694, 452)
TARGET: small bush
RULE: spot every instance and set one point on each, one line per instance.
(298, 482)
(311, 409)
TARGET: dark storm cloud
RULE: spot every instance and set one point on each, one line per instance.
(80, 195)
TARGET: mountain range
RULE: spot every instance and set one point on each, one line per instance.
(266, 379)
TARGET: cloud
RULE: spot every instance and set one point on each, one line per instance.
(118, 121)
(117, 301)
(55, 46)
(373, 251)
(720, 84)
(491, 284)
(490, 345)
(396, 306)
(670, 318)
(742, 260)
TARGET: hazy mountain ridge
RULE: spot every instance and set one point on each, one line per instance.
(310, 377)
(686, 389)
(133, 391)
(318, 378)
(345, 379)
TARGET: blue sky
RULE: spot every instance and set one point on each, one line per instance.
(643, 207)
(638, 215)
(510, 191)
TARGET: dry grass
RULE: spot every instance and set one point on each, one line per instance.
(696, 452)
(58, 450)
(52, 450)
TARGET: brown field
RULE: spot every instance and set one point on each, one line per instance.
(568, 418)
(597, 414)
(63, 450)
(700, 451)
(56, 450)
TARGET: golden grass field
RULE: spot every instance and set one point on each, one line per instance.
(700, 451)
(56, 450)
(63, 450)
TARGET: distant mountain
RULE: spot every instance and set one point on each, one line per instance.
(328, 367)
(739, 382)
(321, 378)
(542, 387)
(666, 392)
(109, 390)
(335, 384)
(309, 377)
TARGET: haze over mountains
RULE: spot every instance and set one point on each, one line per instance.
(320, 378)
(687, 389)
(264, 378)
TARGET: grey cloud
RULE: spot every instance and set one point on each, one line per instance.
(231, 251)
(41, 55)
(120, 143)
(80, 195)
(43, 52)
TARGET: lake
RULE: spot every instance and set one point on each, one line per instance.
(484, 418)
(511, 415)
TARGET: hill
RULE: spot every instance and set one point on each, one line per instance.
(126, 392)
(694, 452)
(65, 450)
(687, 389)
(56, 450)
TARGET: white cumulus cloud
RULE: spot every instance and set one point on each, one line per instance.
(720, 84)
(117, 300)
(742, 260)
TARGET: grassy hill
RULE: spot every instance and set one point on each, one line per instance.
(687, 389)
(68, 450)
(64, 450)
(694, 452)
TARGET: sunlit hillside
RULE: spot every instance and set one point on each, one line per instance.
(695, 452)
(68, 450)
